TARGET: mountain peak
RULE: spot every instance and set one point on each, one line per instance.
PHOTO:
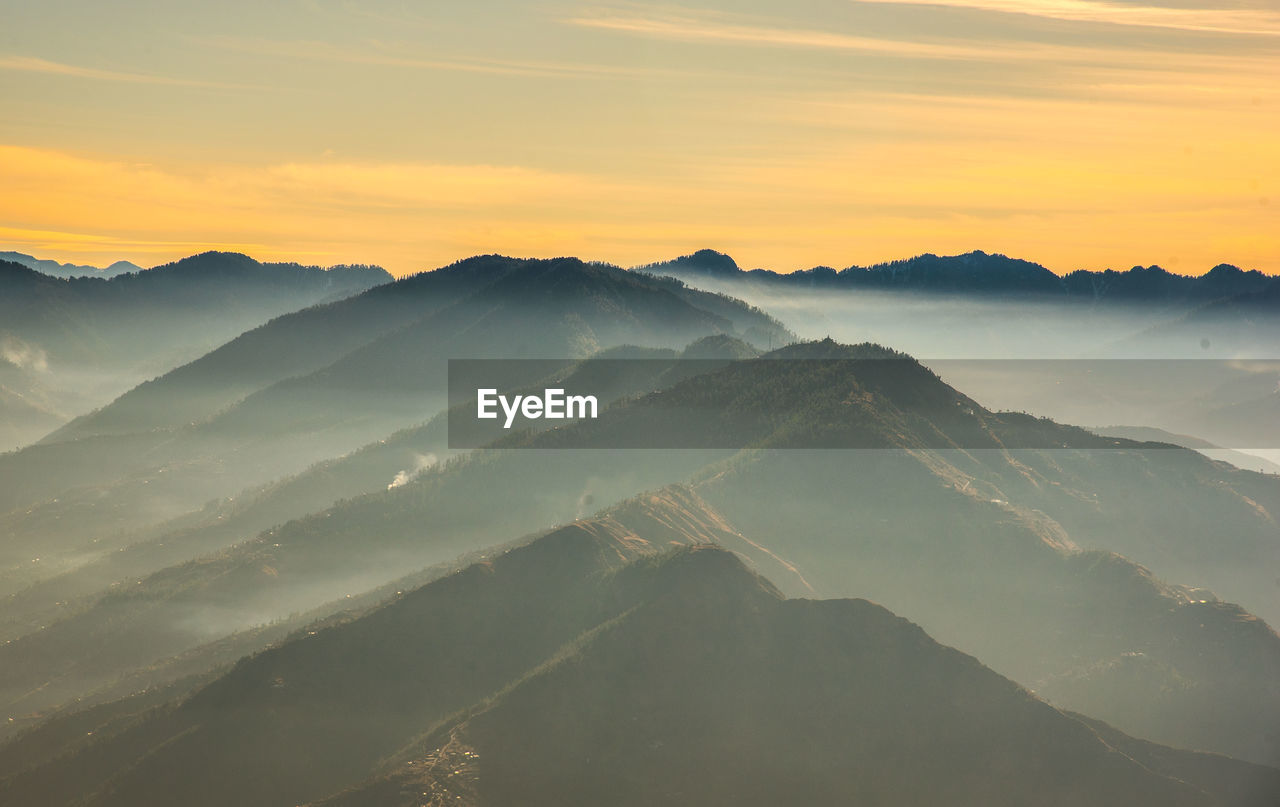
(704, 261)
(209, 263)
(970, 271)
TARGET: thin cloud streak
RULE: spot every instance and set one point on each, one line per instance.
(32, 64)
(725, 29)
(324, 51)
(1259, 22)
(693, 29)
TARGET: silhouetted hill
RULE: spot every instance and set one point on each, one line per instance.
(981, 273)
(1153, 284)
(590, 659)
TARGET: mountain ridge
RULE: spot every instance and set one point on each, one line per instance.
(623, 634)
(69, 344)
(978, 272)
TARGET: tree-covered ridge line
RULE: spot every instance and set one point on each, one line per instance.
(978, 272)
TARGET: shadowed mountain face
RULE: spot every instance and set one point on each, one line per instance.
(68, 344)
(717, 691)
(590, 666)
(501, 618)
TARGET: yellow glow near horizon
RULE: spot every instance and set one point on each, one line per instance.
(1131, 135)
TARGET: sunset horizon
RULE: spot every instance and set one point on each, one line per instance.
(1073, 133)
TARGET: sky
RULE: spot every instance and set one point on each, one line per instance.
(1080, 134)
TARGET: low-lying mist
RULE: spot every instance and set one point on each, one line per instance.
(1198, 372)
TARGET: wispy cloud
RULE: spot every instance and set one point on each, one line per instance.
(1262, 22)
(1075, 63)
(33, 64)
(695, 28)
(383, 54)
(686, 25)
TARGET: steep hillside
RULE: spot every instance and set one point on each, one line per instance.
(471, 633)
(589, 666)
(385, 378)
(714, 690)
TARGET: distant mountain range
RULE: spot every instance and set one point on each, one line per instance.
(70, 344)
(116, 319)
(984, 274)
(55, 269)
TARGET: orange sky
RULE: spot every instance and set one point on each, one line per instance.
(1075, 133)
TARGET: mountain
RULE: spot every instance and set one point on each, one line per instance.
(1008, 553)
(255, 410)
(74, 343)
(290, 345)
(594, 664)
(980, 273)
(267, 577)
(55, 269)
(213, 294)
(719, 691)
(1153, 284)
(1187, 355)
(385, 464)
(309, 341)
